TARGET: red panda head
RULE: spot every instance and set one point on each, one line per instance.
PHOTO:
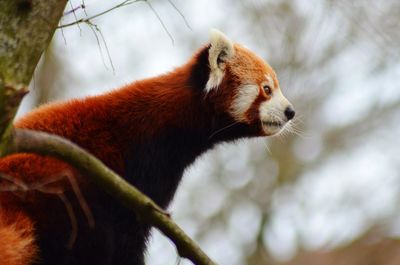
(245, 86)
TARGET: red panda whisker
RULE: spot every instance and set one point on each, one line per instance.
(222, 129)
(298, 119)
(292, 128)
(266, 146)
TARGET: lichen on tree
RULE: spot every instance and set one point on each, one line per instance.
(26, 28)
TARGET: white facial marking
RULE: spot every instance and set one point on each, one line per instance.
(270, 81)
(243, 101)
(272, 112)
(221, 50)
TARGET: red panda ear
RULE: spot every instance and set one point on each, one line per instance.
(220, 51)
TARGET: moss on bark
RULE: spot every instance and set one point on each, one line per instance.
(26, 28)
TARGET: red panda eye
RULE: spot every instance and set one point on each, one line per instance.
(267, 89)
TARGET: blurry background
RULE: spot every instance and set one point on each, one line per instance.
(328, 193)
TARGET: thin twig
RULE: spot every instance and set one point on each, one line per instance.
(124, 3)
(98, 43)
(62, 33)
(84, 7)
(105, 45)
(76, 18)
(178, 259)
(73, 9)
(160, 20)
(85, 20)
(180, 13)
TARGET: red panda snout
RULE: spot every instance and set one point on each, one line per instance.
(252, 106)
(275, 113)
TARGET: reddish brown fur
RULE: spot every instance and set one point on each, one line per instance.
(108, 128)
(106, 116)
(248, 67)
(17, 243)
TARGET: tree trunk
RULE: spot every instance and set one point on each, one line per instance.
(26, 28)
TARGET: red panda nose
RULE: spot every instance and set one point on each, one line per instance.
(289, 113)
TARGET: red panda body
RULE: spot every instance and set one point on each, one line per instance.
(148, 132)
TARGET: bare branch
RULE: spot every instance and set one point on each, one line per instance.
(180, 13)
(76, 18)
(74, 9)
(96, 29)
(85, 20)
(161, 22)
(88, 20)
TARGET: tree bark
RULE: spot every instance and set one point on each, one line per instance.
(26, 28)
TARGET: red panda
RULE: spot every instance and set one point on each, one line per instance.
(148, 132)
